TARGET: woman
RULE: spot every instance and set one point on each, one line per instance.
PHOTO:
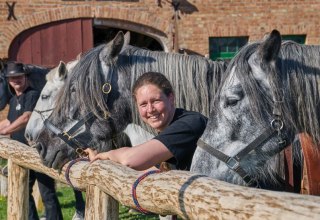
(178, 129)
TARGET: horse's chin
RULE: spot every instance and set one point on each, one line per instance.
(58, 160)
(58, 165)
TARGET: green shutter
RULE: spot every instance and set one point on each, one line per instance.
(301, 39)
(222, 48)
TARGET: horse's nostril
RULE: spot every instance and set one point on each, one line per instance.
(29, 138)
(38, 147)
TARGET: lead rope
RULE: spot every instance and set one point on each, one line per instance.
(67, 173)
(134, 190)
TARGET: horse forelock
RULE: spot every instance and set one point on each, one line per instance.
(85, 80)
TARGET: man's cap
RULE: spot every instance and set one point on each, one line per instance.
(15, 69)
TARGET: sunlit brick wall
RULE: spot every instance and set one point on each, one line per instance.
(200, 19)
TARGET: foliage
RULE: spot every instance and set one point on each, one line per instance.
(3, 208)
(3, 162)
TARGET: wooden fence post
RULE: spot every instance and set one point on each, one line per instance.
(100, 206)
(191, 196)
(3, 185)
(18, 192)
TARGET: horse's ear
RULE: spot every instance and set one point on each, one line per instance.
(113, 48)
(62, 70)
(270, 47)
(127, 38)
(118, 43)
(79, 56)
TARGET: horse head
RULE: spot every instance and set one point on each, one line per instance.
(90, 110)
(269, 94)
(46, 102)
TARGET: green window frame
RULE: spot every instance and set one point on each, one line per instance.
(301, 39)
(222, 48)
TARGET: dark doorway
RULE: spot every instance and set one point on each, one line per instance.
(105, 34)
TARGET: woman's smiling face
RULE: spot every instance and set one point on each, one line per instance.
(155, 108)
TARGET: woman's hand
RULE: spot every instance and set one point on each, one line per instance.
(94, 155)
(91, 153)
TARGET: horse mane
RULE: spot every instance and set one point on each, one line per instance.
(191, 76)
(301, 63)
(85, 75)
(295, 79)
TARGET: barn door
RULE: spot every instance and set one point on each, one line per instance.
(48, 44)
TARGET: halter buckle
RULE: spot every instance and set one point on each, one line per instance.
(249, 181)
(68, 135)
(232, 163)
(81, 153)
(106, 88)
(106, 114)
(277, 124)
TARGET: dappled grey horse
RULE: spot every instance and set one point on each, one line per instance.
(95, 104)
(270, 93)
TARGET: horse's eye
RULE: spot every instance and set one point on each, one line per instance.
(231, 102)
(44, 96)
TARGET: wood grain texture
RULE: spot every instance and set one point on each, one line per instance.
(18, 191)
(189, 195)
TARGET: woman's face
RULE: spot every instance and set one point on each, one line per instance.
(155, 108)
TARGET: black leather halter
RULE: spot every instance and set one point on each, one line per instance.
(233, 163)
(68, 136)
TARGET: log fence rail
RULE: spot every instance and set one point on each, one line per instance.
(191, 196)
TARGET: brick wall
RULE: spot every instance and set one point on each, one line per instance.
(200, 19)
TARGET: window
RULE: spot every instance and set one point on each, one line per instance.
(225, 47)
(301, 39)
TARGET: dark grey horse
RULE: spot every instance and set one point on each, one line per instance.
(95, 104)
(270, 93)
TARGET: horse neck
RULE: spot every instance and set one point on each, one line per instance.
(300, 75)
(188, 75)
(4, 94)
(37, 76)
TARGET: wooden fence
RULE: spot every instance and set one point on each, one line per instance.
(188, 195)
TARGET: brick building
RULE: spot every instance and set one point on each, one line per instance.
(44, 32)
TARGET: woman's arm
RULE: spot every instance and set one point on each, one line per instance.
(140, 157)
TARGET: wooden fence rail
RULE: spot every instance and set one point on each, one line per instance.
(188, 195)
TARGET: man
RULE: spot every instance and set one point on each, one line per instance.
(21, 106)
